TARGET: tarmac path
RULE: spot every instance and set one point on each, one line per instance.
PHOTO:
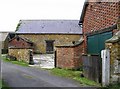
(16, 76)
(19, 76)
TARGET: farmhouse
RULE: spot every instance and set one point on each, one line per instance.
(46, 34)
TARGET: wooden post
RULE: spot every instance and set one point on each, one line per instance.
(55, 59)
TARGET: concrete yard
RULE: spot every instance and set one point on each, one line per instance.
(43, 60)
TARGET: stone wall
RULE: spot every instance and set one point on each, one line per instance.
(118, 23)
(39, 40)
(20, 54)
(113, 45)
(69, 57)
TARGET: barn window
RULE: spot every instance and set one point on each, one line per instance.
(18, 38)
(31, 44)
(73, 42)
(49, 46)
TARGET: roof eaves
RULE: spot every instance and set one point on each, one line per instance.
(24, 39)
(83, 11)
(51, 33)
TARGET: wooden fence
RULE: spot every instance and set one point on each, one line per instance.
(92, 67)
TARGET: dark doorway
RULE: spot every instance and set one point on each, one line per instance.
(49, 46)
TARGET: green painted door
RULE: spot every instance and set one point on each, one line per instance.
(96, 43)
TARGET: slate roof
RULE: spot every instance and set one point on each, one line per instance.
(49, 27)
(24, 39)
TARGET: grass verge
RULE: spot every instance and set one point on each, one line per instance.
(3, 85)
(15, 62)
(0, 83)
(112, 86)
(74, 75)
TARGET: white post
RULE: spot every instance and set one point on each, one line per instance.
(105, 55)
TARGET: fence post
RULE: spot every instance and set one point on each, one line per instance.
(55, 59)
(105, 55)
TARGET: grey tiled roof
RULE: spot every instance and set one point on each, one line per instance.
(49, 26)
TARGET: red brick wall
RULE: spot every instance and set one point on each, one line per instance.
(99, 16)
(69, 57)
(19, 44)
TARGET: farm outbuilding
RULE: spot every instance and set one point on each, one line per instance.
(20, 48)
(46, 34)
(99, 24)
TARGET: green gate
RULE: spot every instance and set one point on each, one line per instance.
(96, 43)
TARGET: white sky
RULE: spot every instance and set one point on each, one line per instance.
(11, 11)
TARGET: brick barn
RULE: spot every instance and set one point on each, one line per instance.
(101, 29)
(20, 48)
(99, 21)
(46, 34)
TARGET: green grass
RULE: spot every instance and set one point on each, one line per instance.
(22, 63)
(74, 75)
(112, 86)
(3, 85)
(0, 83)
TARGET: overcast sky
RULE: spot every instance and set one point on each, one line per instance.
(11, 11)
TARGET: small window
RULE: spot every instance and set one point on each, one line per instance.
(18, 38)
(31, 44)
(73, 42)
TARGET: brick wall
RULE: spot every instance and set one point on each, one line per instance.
(19, 43)
(59, 39)
(69, 57)
(99, 16)
(20, 54)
